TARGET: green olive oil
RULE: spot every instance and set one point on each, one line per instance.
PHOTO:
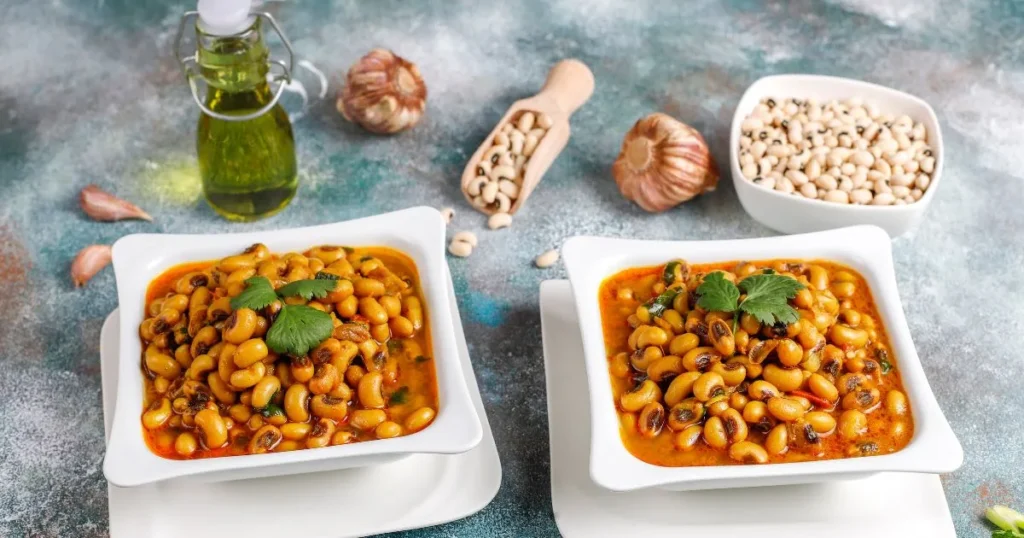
(248, 167)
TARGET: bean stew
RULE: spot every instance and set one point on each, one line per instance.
(696, 387)
(215, 386)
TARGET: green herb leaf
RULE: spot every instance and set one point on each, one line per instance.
(1001, 533)
(717, 293)
(394, 346)
(298, 329)
(767, 298)
(421, 358)
(271, 409)
(365, 258)
(321, 275)
(348, 250)
(400, 396)
(662, 302)
(1007, 519)
(258, 293)
(669, 275)
(768, 271)
(308, 289)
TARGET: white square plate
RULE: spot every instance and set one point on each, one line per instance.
(887, 504)
(421, 490)
(590, 260)
(418, 232)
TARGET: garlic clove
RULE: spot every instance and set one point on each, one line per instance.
(89, 261)
(101, 205)
(383, 92)
(663, 162)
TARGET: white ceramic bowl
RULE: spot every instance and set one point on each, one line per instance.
(138, 259)
(792, 213)
(590, 260)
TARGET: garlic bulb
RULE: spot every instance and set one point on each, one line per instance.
(663, 163)
(383, 92)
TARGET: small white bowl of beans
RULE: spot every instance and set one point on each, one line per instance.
(811, 153)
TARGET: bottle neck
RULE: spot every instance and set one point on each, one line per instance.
(234, 64)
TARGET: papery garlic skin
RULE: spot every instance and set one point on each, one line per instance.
(663, 163)
(89, 261)
(383, 92)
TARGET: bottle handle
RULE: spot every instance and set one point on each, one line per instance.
(188, 63)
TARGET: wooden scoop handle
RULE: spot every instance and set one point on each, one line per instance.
(570, 83)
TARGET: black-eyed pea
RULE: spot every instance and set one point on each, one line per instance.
(163, 365)
(369, 351)
(248, 377)
(370, 392)
(157, 415)
(321, 433)
(413, 310)
(240, 326)
(348, 307)
(753, 370)
(748, 452)
(343, 358)
(146, 330)
(264, 390)
(628, 422)
(419, 419)
(618, 365)
(316, 265)
(178, 303)
(302, 369)
(681, 304)
(240, 413)
(212, 429)
(896, 403)
(664, 368)
(820, 421)
(865, 400)
(721, 336)
(717, 405)
(641, 360)
(387, 430)
(777, 441)
(738, 401)
(155, 306)
(249, 352)
(221, 390)
(785, 409)
(296, 403)
(732, 373)
(161, 384)
(288, 446)
(852, 424)
(742, 339)
(850, 382)
(700, 359)
(342, 392)
(392, 305)
(762, 390)
(343, 289)
(652, 336)
(367, 419)
(843, 290)
(714, 433)
(368, 287)
(804, 298)
(735, 426)
(818, 277)
(390, 370)
(401, 327)
(822, 387)
(674, 320)
(185, 444)
(789, 352)
(381, 332)
(639, 396)
(327, 253)
(804, 402)
(266, 439)
(225, 361)
(342, 438)
(784, 378)
(324, 379)
(353, 374)
(680, 388)
(200, 366)
(846, 336)
(183, 356)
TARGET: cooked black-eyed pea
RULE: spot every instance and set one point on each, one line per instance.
(674, 320)
(695, 324)
(245, 397)
(226, 363)
(392, 305)
(178, 303)
(680, 388)
(346, 352)
(641, 360)
(687, 439)
(264, 390)
(413, 309)
(804, 299)
(843, 290)
(618, 365)
(651, 336)
(185, 444)
(636, 398)
(863, 400)
(240, 413)
(852, 424)
(855, 365)
(850, 317)
(342, 392)
(288, 446)
(157, 415)
(200, 366)
(633, 321)
(738, 401)
(850, 382)
(367, 419)
(372, 311)
(628, 421)
(664, 368)
(321, 433)
(419, 419)
(316, 265)
(818, 277)
(302, 369)
(700, 359)
(822, 387)
(219, 309)
(368, 287)
(390, 370)
(205, 339)
(381, 332)
(896, 403)
(717, 405)
(343, 289)
(161, 384)
(681, 303)
(221, 390)
(155, 306)
(387, 430)
(748, 452)
(685, 414)
(735, 426)
(146, 329)
(296, 403)
(784, 378)
(353, 374)
(370, 391)
(190, 281)
(753, 370)
(250, 352)
(342, 438)
(721, 336)
(785, 409)
(643, 314)
(749, 324)
(762, 390)
(239, 326)
(809, 336)
(714, 433)
(196, 320)
(651, 420)
(324, 379)
(664, 325)
(165, 321)
(742, 339)
(348, 307)
(212, 429)
(401, 327)
(732, 373)
(789, 352)
(266, 439)
(163, 365)
(325, 406)
(709, 385)
(844, 335)
(777, 441)
(760, 349)
(820, 421)
(682, 344)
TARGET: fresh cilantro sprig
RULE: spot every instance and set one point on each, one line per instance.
(1009, 521)
(297, 328)
(308, 289)
(767, 296)
(258, 293)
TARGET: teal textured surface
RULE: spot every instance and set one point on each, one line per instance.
(90, 93)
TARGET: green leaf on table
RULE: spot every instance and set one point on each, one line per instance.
(258, 294)
(308, 289)
(299, 328)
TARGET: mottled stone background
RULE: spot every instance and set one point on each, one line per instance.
(89, 93)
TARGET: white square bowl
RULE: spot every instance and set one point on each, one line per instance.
(138, 259)
(590, 260)
(792, 213)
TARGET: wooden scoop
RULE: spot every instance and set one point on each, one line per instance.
(570, 83)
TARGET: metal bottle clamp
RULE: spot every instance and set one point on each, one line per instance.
(188, 64)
